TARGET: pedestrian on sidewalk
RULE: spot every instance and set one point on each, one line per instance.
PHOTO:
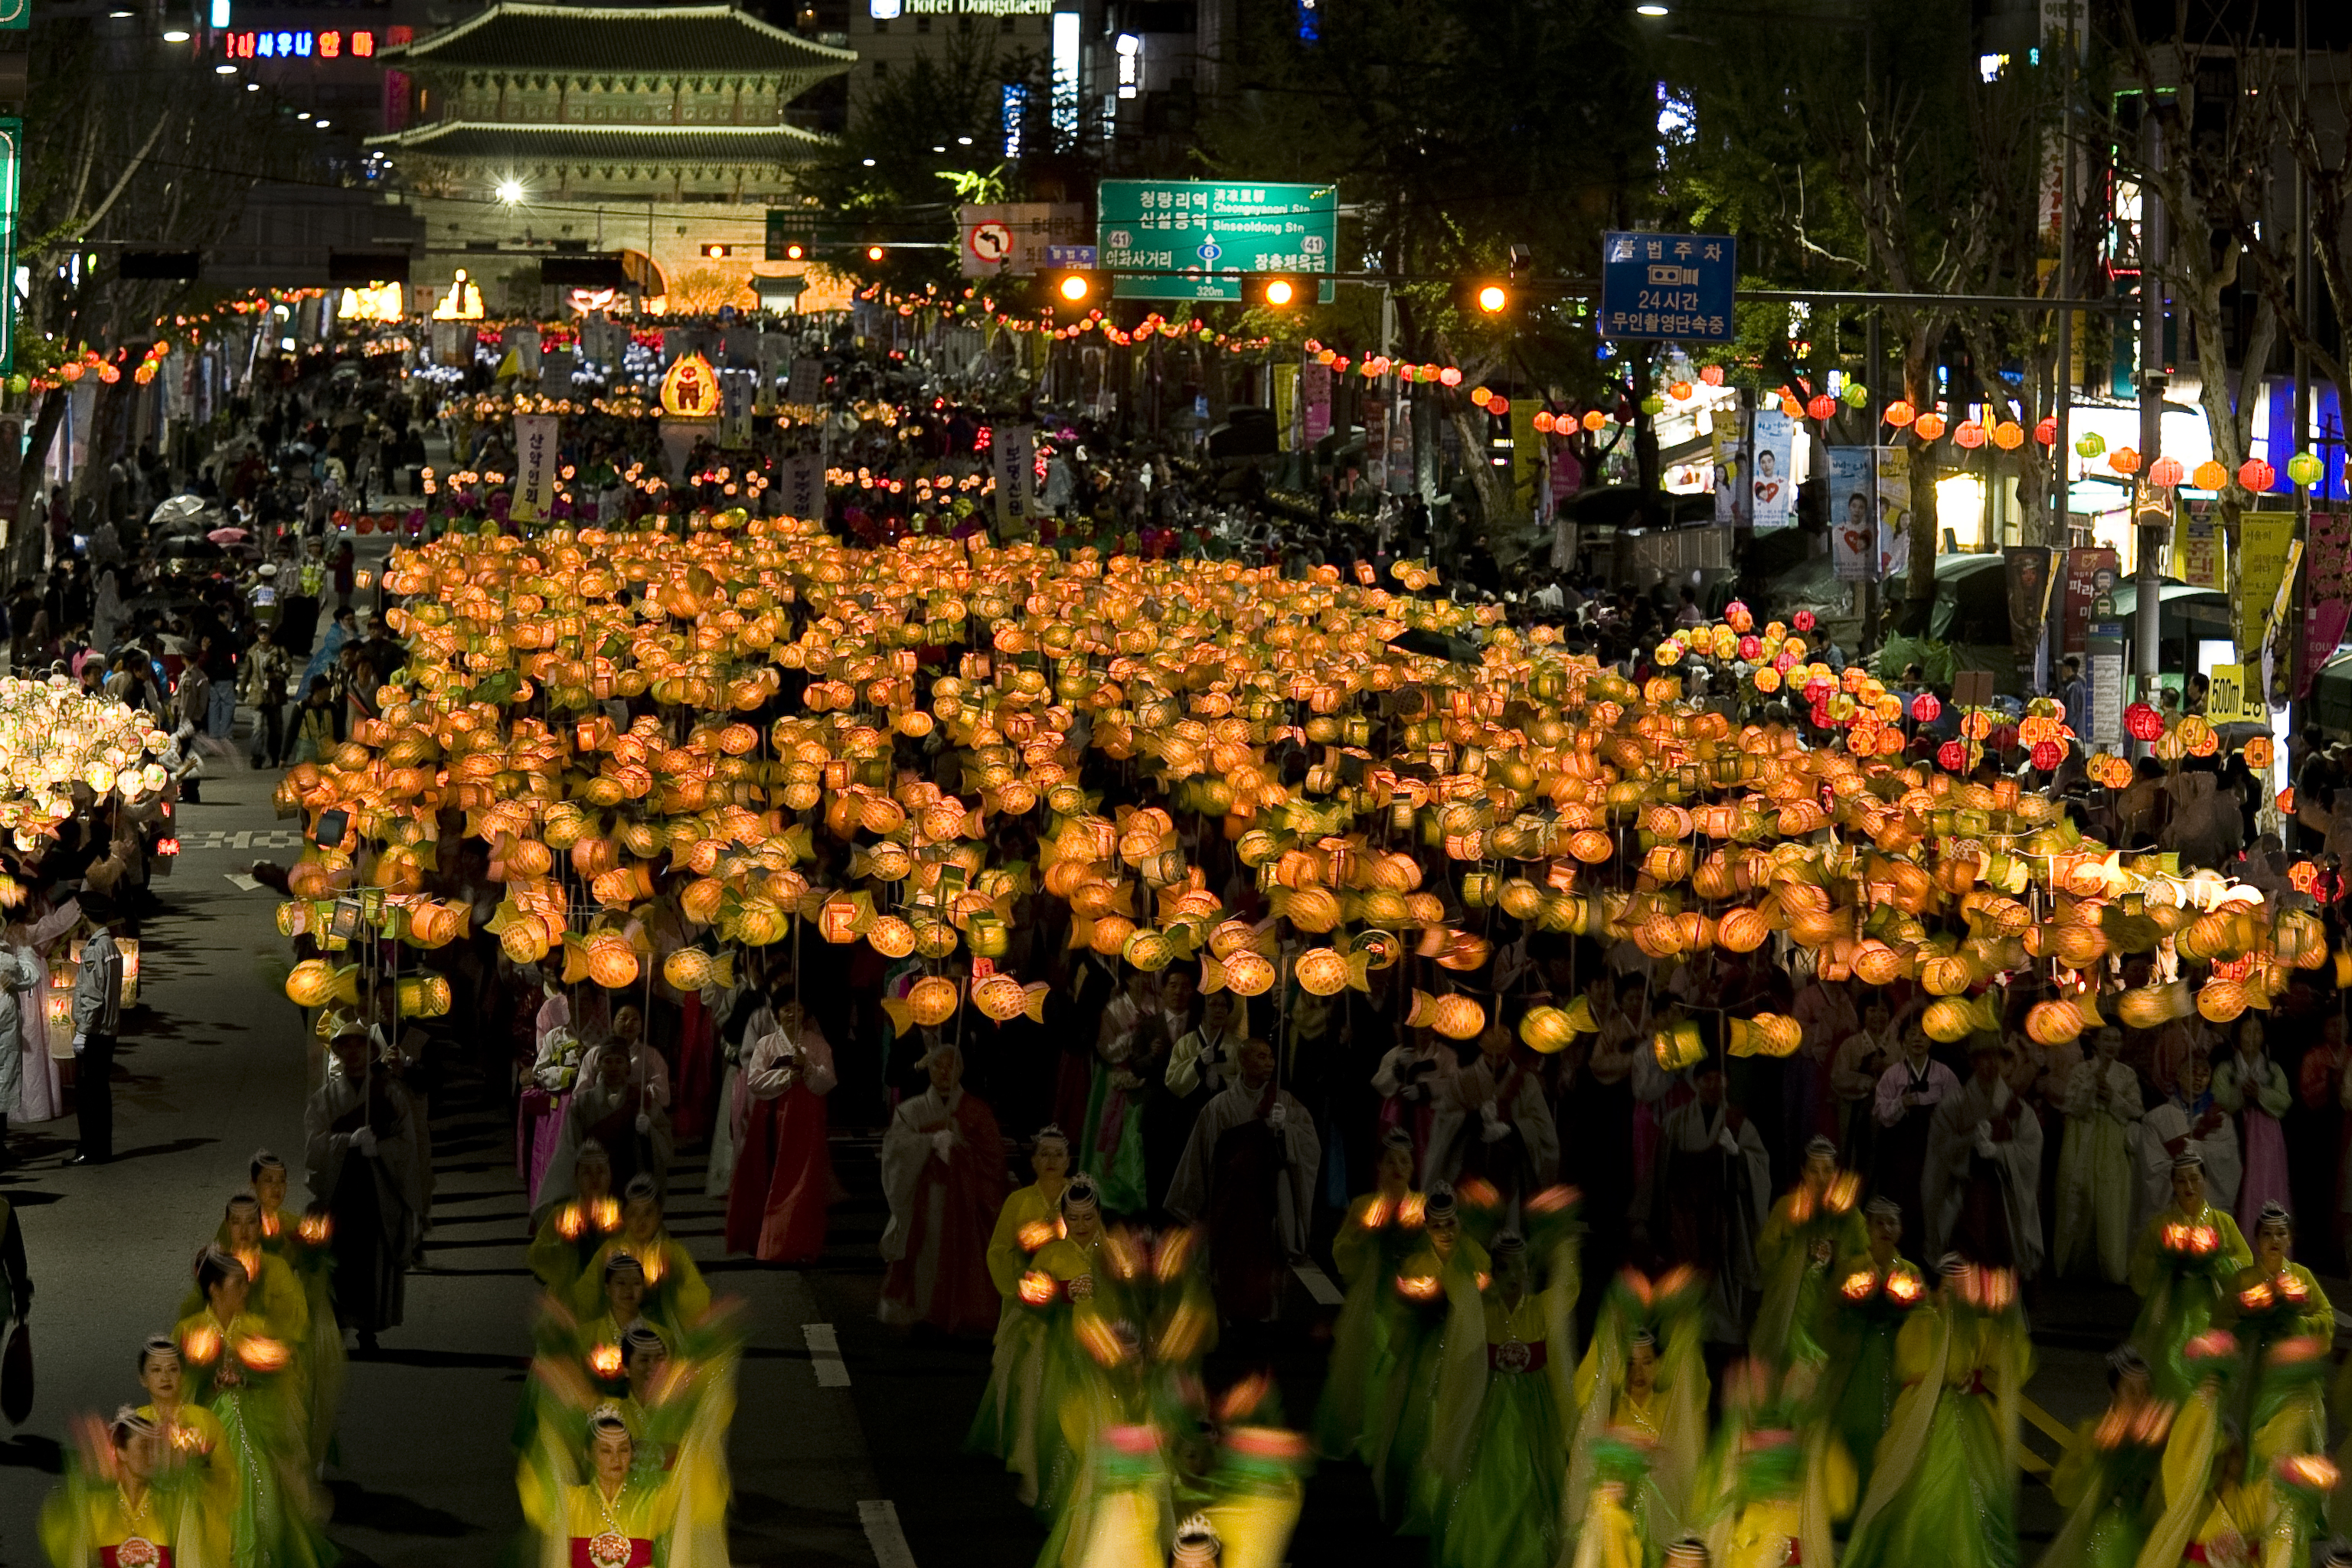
(96, 1013)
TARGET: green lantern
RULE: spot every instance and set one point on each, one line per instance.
(1653, 405)
(2091, 445)
(1856, 395)
(17, 383)
(2305, 469)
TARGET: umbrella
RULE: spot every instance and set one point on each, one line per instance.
(227, 536)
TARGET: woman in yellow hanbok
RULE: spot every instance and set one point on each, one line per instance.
(602, 1510)
(1073, 1404)
(2286, 1326)
(675, 1295)
(124, 1503)
(577, 1229)
(1814, 1230)
(1643, 1380)
(1031, 1219)
(1381, 1229)
(305, 1244)
(1398, 1426)
(2182, 1267)
(193, 1438)
(1944, 1487)
(238, 1369)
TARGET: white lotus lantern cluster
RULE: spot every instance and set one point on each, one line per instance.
(53, 738)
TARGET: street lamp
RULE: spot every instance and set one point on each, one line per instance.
(176, 36)
(510, 191)
(1651, 9)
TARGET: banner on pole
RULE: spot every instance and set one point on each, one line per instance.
(536, 453)
(1854, 524)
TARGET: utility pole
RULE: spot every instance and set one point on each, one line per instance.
(2147, 634)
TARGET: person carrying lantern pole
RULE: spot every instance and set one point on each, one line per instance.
(1248, 1172)
(943, 1172)
(356, 1129)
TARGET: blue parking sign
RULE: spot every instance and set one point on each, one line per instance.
(1671, 286)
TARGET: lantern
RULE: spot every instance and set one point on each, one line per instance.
(1929, 427)
(1679, 1048)
(2047, 755)
(1926, 708)
(1247, 974)
(1899, 414)
(2124, 460)
(2164, 473)
(2046, 430)
(1823, 406)
(2253, 474)
(1856, 395)
(2009, 435)
(1952, 757)
(931, 1001)
(1970, 434)
(2091, 445)
(2208, 475)
(2143, 722)
(2305, 469)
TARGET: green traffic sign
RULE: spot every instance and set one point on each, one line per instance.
(1193, 239)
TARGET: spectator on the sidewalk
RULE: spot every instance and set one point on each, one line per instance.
(97, 1015)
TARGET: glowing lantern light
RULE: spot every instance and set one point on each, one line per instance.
(2253, 474)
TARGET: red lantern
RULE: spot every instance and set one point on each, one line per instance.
(1821, 716)
(2046, 432)
(1751, 647)
(1543, 423)
(1926, 708)
(1899, 414)
(1951, 756)
(1822, 405)
(2256, 475)
(2166, 472)
(2143, 722)
(2047, 755)
(1498, 406)
(1819, 689)
(1802, 620)
(1970, 434)
(1930, 426)
(1711, 374)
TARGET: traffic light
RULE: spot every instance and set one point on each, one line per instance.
(1070, 293)
(1486, 299)
(793, 251)
(876, 253)
(1277, 290)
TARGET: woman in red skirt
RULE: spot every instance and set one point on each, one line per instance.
(783, 1172)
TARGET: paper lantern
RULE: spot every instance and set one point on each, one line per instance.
(1930, 426)
(424, 997)
(2047, 755)
(1678, 1048)
(1765, 1034)
(1712, 374)
(1742, 930)
(1951, 756)
(2164, 473)
(2253, 474)
(1926, 708)
(1899, 414)
(2305, 469)
(2219, 1001)
(1856, 395)
(1455, 1016)
(2045, 430)
(2124, 460)
(1248, 974)
(612, 963)
(1968, 434)
(2009, 435)
(2090, 444)
(1546, 1029)
(1823, 406)
(2143, 722)
(2208, 475)
(931, 1001)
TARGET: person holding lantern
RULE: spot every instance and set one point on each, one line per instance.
(304, 1244)
(193, 1435)
(677, 1298)
(782, 1182)
(128, 1501)
(2113, 1477)
(1006, 1424)
(2186, 1258)
(1943, 1486)
(1500, 1435)
(1248, 1172)
(356, 1130)
(1381, 1228)
(238, 1370)
(943, 1172)
(593, 1504)
(577, 1229)
(1495, 1124)
(1814, 1229)
(1643, 1380)
(2189, 1121)
(2279, 1312)
(1876, 1293)
(1397, 1419)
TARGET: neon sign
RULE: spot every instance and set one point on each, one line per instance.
(303, 44)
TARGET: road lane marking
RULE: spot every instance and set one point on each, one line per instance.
(1318, 1284)
(243, 884)
(831, 1371)
(881, 1520)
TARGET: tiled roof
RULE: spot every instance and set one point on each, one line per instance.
(623, 40)
(605, 144)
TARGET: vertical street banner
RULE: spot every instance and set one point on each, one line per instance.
(2196, 549)
(2032, 576)
(1854, 515)
(1011, 452)
(1286, 406)
(1772, 489)
(807, 384)
(1315, 400)
(2264, 540)
(1893, 512)
(2327, 594)
(2086, 568)
(802, 486)
(1730, 472)
(737, 390)
(1376, 441)
(536, 455)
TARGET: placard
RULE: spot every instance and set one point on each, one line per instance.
(536, 455)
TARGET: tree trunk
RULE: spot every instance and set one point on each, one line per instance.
(1648, 468)
(1919, 586)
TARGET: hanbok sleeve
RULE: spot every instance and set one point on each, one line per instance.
(2273, 1091)
(816, 1061)
(903, 1150)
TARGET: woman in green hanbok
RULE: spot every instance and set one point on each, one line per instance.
(2287, 1327)
(239, 1371)
(1813, 1231)
(1398, 1426)
(1943, 1488)
(1876, 1294)
(1499, 1442)
(1382, 1227)
(2110, 1477)
(2184, 1264)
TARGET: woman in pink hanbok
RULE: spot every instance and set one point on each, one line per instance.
(2253, 1089)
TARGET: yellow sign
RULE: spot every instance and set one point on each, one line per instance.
(2263, 541)
(690, 390)
(2231, 699)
